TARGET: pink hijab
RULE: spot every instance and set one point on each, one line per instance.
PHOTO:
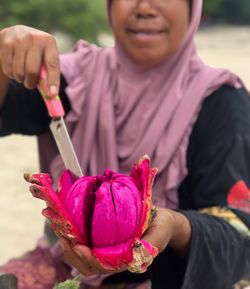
(120, 113)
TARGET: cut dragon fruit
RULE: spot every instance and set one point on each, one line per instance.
(108, 213)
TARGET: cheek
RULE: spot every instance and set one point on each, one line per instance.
(119, 12)
(179, 24)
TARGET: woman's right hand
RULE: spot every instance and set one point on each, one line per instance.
(23, 50)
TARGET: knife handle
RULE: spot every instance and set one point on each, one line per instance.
(54, 105)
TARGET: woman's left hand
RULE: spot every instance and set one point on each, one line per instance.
(169, 228)
(81, 258)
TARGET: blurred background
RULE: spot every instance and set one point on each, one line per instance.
(223, 40)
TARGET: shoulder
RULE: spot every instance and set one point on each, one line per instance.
(227, 97)
(224, 113)
(82, 60)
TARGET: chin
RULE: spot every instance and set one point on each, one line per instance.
(148, 58)
(148, 61)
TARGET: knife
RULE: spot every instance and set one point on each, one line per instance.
(58, 127)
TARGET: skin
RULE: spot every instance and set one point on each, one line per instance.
(149, 32)
(169, 228)
(23, 50)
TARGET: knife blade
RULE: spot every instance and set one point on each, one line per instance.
(58, 127)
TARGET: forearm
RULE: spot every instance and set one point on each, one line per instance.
(170, 229)
(4, 81)
(181, 234)
(218, 257)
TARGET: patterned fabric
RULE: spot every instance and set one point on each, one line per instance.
(229, 216)
(244, 284)
(239, 196)
(233, 220)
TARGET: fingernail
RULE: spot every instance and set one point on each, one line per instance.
(53, 90)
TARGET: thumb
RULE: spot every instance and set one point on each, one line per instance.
(160, 231)
(152, 237)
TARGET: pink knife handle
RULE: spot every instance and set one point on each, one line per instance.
(54, 105)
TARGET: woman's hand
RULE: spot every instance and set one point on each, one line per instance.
(169, 228)
(82, 259)
(23, 50)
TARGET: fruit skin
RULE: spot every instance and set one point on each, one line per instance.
(108, 213)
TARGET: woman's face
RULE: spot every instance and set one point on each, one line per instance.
(150, 30)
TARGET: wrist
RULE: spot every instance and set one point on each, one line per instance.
(180, 233)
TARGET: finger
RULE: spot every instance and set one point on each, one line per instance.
(85, 254)
(83, 267)
(19, 64)
(7, 57)
(151, 237)
(51, 60)
(32, 67)
(158, 234)
(144, 285)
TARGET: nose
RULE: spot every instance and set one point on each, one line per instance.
(145, 9)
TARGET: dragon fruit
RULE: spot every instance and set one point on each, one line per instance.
(108, 213)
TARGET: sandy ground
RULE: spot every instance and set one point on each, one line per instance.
(20, 220)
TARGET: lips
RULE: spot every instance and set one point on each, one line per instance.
(145, 31)
(145, 35)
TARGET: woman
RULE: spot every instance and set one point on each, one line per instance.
(149, 94)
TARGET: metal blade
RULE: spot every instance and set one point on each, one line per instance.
(64, 144)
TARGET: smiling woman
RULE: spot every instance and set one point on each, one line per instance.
(149, 94)
(149, 31)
